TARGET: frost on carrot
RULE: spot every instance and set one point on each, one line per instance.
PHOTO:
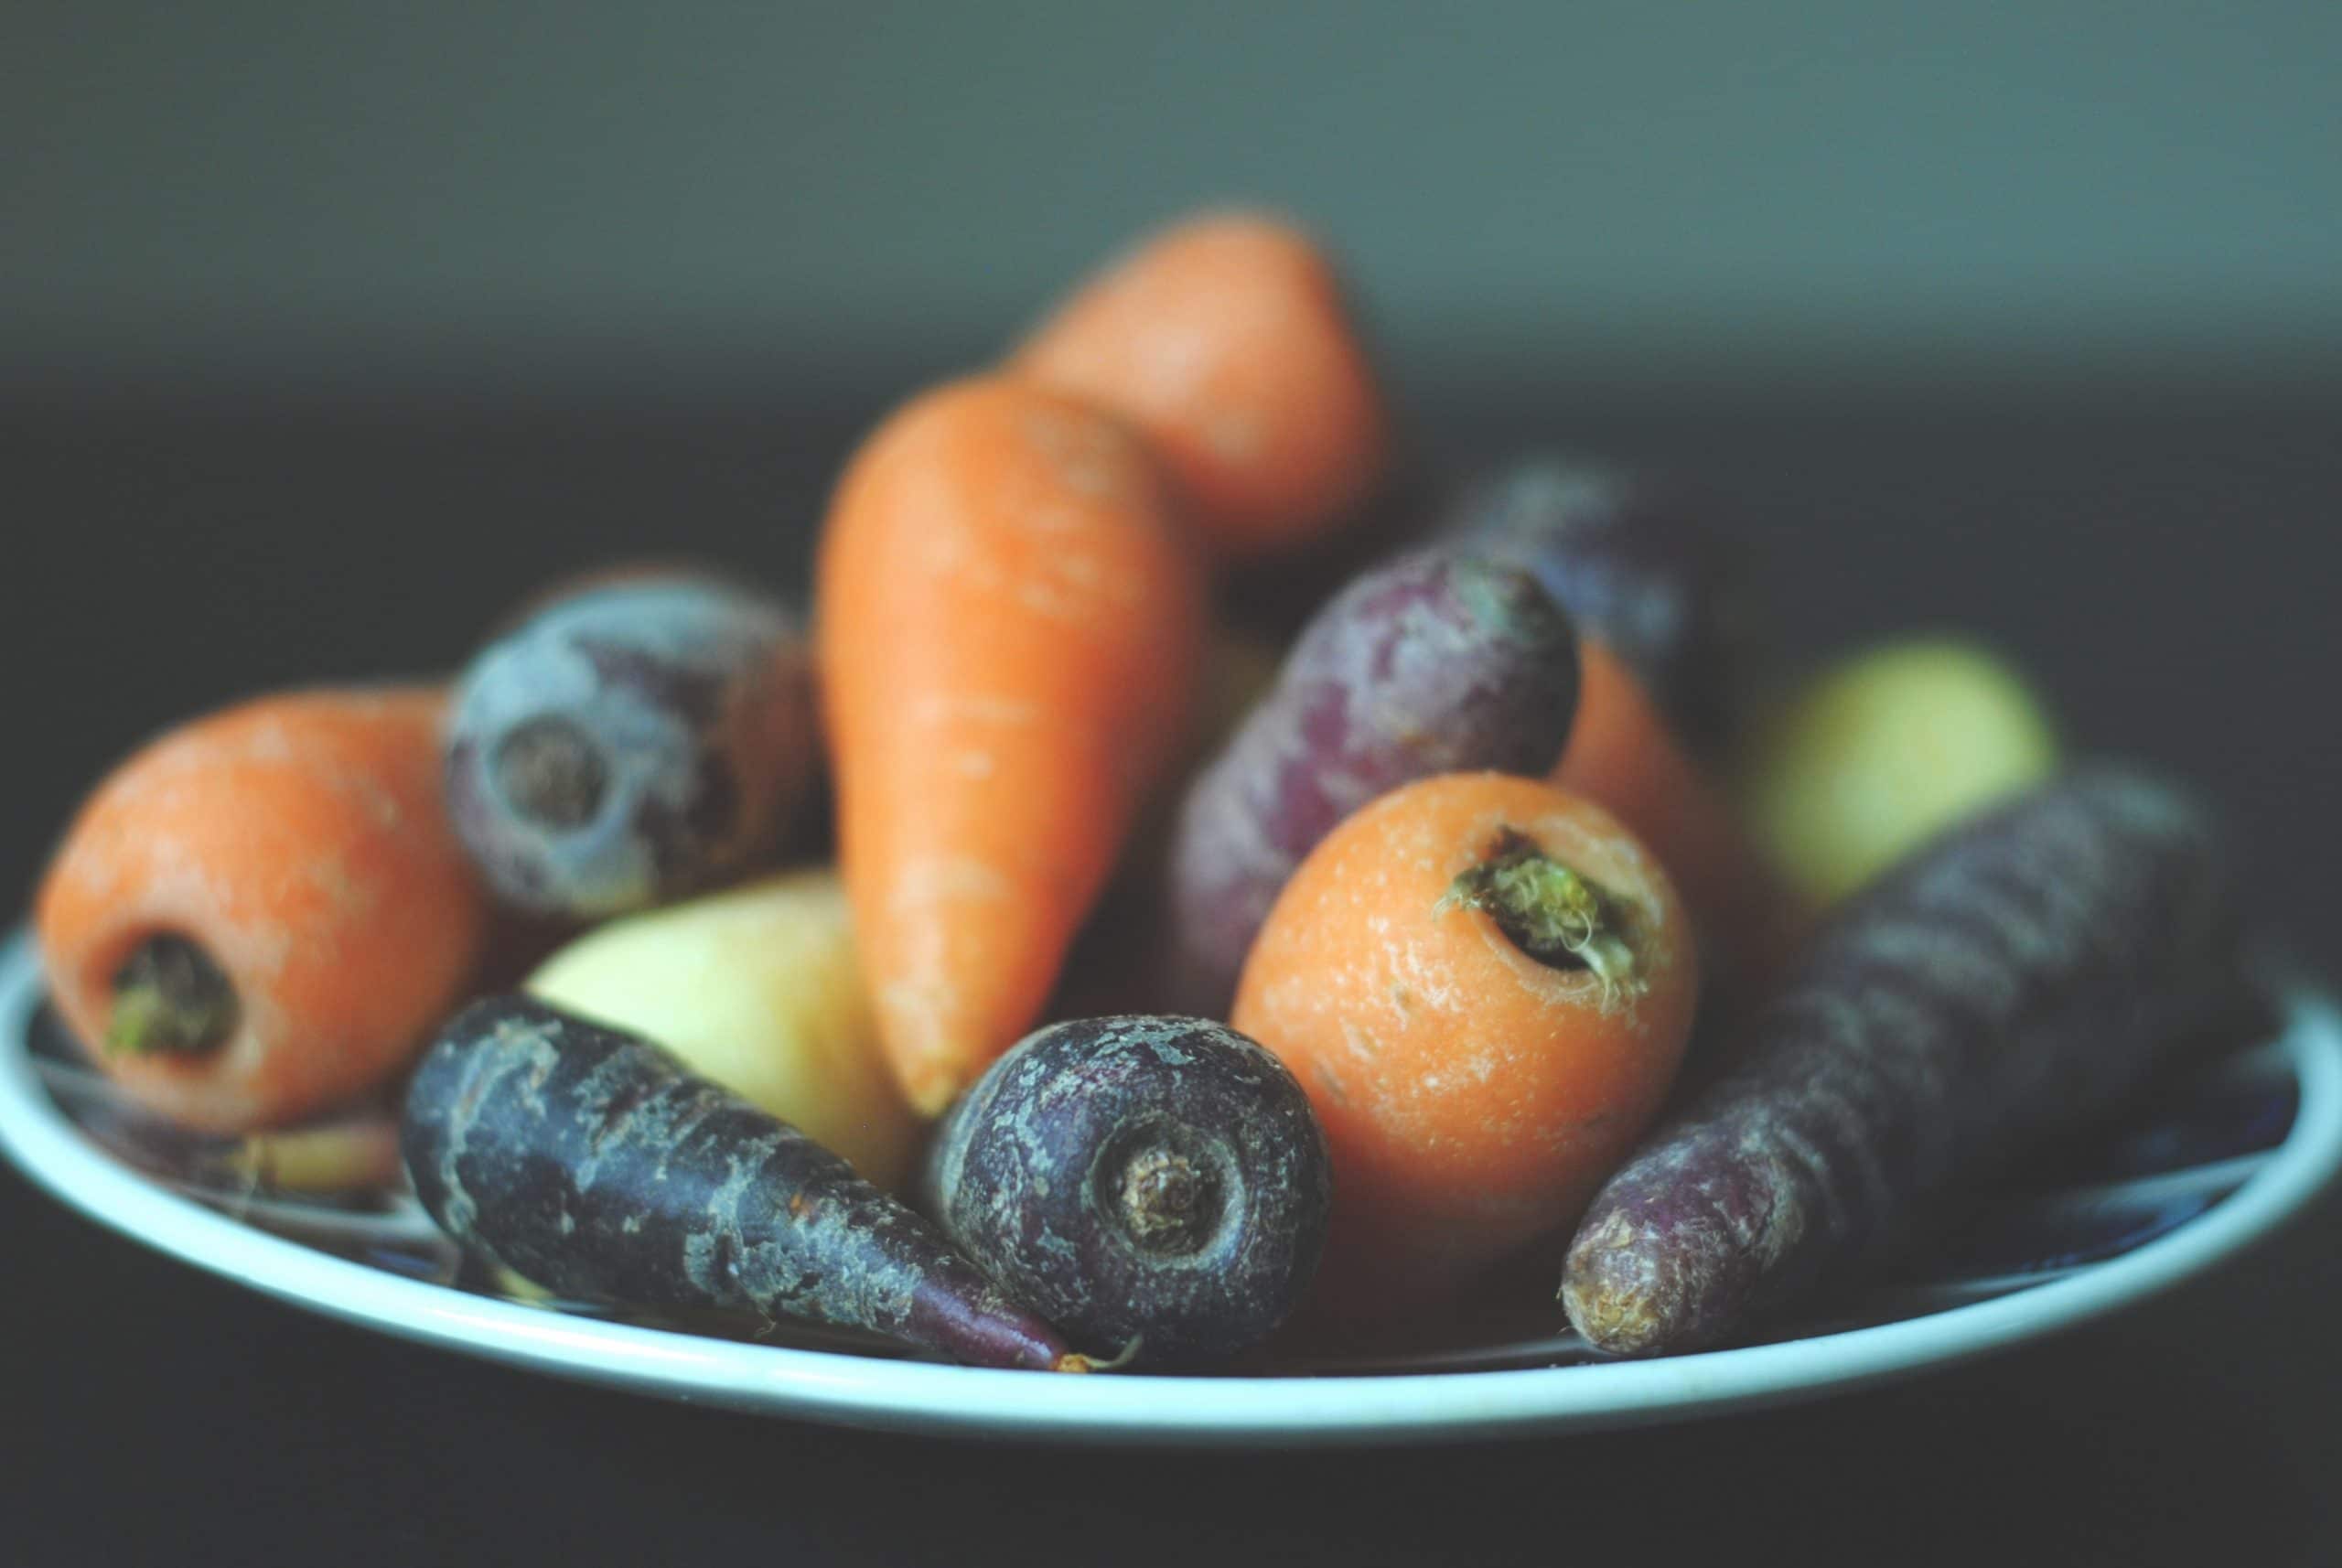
(1008, 624)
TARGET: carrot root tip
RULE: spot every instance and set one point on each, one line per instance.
(1075, 1361)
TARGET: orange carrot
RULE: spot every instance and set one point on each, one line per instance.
(1227, 341)
(1009, 622)
(1622, 754)
(1484, 985)
(262, 912)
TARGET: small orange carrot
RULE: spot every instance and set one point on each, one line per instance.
(1622, 754)
(262, 913)
(1227, 341)
(1009, 622)
(1484, 985)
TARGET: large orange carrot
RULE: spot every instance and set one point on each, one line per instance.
(262, 913)
(1484, 985)
(1226, 339)
(1009, 623)
(1622, 754)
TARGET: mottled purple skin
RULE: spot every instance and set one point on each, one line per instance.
(592, 1163)
(697, 697)
(1634, 568)
(2024, 975)
(1437, 661)
(1052, 1172)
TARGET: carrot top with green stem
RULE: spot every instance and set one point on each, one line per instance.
(170, 998)
(1552, 913)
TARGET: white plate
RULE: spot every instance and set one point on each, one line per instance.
(2006, 1284)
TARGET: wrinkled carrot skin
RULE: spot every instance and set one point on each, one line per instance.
(299, 840)
(2022, 976)
(1009, 620)
(1622, 754)
(1226, 339)
(1472, 1097)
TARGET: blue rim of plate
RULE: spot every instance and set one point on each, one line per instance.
(2168, 1222)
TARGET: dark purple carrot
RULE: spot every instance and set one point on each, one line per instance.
(590, 1163)
(1437, 661)
(2021, 977)
(631, 741)
(1158, 1186)
(1633, 566)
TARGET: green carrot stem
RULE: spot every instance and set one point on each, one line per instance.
(1551, 912)
(170, 999)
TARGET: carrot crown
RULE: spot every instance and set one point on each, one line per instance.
(1551, 912)
(170, 998)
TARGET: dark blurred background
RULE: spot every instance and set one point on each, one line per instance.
(327, 332)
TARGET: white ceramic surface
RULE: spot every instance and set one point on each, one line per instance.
(2228, 1202)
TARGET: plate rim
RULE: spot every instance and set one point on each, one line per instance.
(878, 1392)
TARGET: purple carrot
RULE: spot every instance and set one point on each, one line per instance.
(1159, 1186)
(2020, 978)
(592, 1163)
(630, 743)
(1437, 662)
(1631, 562)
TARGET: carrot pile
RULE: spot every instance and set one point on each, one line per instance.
(1460, 865)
